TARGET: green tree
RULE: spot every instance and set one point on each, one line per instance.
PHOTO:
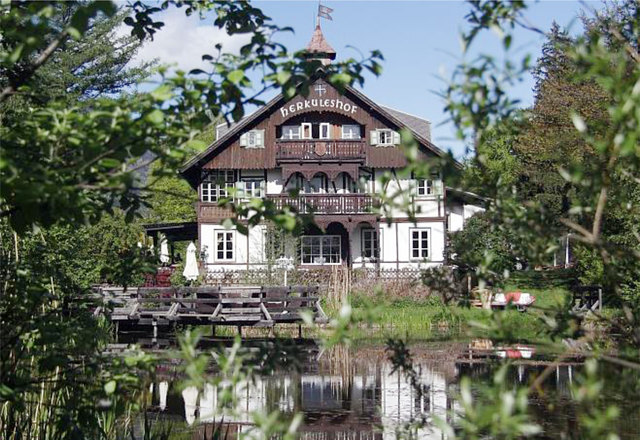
(549, 141)
(483, 248)
(71, 157)
(99, 65)
(581, 160)
(172, 199)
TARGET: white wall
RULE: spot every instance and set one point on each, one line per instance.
(390, 258)
(274, 181)
(404, 189)
(459, 213)
(254, 253)
(403, 253)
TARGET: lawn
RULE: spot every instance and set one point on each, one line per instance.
(433, 319)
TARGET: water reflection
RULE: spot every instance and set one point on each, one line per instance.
(355, 394)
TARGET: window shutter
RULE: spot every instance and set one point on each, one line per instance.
(438, 187)
(396, 138)
(374, 137)
(243, 140)
(259, 138)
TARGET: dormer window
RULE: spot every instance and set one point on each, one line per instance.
(350, 131)
(252, 139)
(291, 132)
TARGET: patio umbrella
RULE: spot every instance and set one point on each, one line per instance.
(163, 388)
(190, 396)
(191, 271)
(164, 251)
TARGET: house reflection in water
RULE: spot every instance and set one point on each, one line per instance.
(370, 403)
(355, 395)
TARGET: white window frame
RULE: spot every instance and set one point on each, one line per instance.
(322, 243)
(375, 241)
(253, 187)
(385, 132)
(356, 126)
(252, 139)
(328, 127)
(293, 136)
(306, 126)
(228, 245)
(420, 241)
(424, 187)
(214, 185)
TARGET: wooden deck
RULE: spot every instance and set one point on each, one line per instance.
(241, 306)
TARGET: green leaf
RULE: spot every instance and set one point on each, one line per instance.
(283, 76)
(162, 93)
(74, 33)
(110, 387)
(235, 76)
(155, 117)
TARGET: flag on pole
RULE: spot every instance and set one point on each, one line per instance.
(325, 12)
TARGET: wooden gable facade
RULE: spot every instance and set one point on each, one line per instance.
(323, 104)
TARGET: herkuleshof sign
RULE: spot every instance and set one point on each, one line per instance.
(318, 103)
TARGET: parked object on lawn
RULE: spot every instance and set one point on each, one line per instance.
(488, 300)
(521, 300)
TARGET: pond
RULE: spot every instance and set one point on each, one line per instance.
(354, 393)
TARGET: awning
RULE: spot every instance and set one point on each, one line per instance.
(183, 231)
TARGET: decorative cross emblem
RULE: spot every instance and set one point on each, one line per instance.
(321, 89)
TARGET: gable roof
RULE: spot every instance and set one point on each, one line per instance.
(401, 120)
(417, 124)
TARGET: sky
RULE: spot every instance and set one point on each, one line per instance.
(420, 41)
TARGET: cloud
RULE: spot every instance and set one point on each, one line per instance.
(183, 40)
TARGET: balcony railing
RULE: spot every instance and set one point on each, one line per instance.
(326, 203)
(320, 150)
(212, 212)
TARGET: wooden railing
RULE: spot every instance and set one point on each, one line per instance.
(320, 150)
(217, 305)
(211, 211)
(326, 203)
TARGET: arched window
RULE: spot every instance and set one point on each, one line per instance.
(319, 184)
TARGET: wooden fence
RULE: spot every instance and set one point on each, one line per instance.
(321, 276)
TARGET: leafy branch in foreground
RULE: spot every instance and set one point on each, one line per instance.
(578, 154)
(70, 160)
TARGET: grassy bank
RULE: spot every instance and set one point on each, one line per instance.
(383, 316)
(431, 318)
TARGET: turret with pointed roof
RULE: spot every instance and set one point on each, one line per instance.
(319, 49)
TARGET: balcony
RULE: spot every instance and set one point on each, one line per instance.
(212, 212)
(321, 150)
(326, 203)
